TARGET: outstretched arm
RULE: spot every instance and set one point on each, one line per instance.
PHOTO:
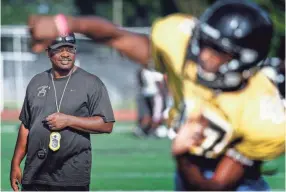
(133, 45)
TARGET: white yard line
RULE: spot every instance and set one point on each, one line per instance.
(117, 128)
(9, 128)
(134, 175)
(137, 175)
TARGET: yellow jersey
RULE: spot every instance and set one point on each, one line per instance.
(254, 116)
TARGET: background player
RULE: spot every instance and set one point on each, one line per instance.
(151, 102)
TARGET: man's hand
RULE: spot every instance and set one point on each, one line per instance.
(15, 177)
(190, 134)
(43, 30)
(57, 121)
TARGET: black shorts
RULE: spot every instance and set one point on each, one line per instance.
(41, 187)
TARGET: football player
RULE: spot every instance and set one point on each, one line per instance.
(221, 98)
(150, 103)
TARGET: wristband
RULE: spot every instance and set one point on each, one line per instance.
(234, 154)
(61, 24)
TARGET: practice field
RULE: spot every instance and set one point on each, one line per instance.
(123, 162)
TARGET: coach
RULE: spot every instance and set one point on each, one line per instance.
(63, 105)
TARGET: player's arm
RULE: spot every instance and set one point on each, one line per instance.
(191, 134)
(227, 174)
(134, 46)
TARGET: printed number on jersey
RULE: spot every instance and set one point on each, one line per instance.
(217, 136)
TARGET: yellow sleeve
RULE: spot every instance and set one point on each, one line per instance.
(263, 124)
(169, 39)
(155, 46)
(170, 36)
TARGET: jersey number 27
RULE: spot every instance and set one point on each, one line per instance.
(217, 135)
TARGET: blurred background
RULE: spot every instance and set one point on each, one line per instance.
(145, 170)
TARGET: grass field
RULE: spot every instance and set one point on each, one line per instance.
(122, 162)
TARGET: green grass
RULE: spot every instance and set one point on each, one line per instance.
(122, 162)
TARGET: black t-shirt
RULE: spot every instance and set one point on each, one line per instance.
(85, 96)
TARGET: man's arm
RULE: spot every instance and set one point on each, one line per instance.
(90, 124)
(226, 176)
(134, 46)
(20, 148)
(95, 124)
(19, 154)
(100, 119)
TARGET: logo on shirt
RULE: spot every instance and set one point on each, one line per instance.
(42, 90)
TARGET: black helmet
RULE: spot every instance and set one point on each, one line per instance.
(238, 27)
(64, 40)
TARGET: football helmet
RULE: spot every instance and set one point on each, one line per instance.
(239, 28)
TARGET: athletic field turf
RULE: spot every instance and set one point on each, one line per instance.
(123, 162)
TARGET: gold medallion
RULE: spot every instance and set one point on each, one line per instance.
(55, 141)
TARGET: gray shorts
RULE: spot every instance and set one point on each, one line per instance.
(152, 106)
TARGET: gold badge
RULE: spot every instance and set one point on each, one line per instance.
(55, 140)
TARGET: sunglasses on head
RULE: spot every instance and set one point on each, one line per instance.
(69, 39)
